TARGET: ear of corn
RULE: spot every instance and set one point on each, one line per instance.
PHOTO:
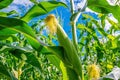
(70, 51)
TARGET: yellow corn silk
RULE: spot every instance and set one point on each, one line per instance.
(94, 72)
(51, 22)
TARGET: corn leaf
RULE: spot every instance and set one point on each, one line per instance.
(13, 25)
(4, 71)
(41, 9)
(24, 53)
(102, 6)
(5, 3)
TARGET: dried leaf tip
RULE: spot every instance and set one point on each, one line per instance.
(51, 23)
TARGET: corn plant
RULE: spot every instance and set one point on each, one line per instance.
(30, 49)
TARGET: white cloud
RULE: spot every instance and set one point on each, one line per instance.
(117, 33)
(113, 18)
(112, 2)
(17, 6)
(23, 2)
(89, 10)
(79, 4)
(107, 25)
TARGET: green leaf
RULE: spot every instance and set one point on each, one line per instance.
(4, 71)
(99, 53)
(54, 60)
(114, 24)
(99, 28)
(12, 12)
(58, 51)
(54, 49)
(5, 3)
(28, 57)
(7, 37)
(102, 6)
(4, 37)
(6, 31)
(41, 9)
(68, 73)
(16, 25)
(3, 14)
(83, 27)
(113, 40)
(24, 53)
(87, 16)
(90, 30)
(103, 18)
(12, 25)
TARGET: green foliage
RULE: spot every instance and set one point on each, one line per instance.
(16, 25)
(5, 3)
(98, 45)
(41, 9)
(3, 14)
(3, 70)
(27, 54)
(102, 6)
